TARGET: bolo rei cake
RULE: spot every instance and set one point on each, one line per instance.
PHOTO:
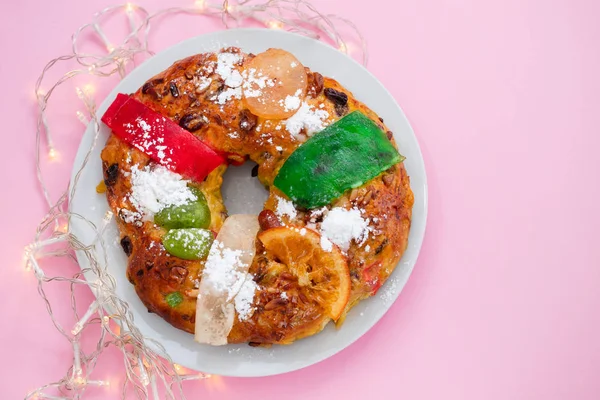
(334, 226)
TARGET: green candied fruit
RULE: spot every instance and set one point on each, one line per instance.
(174, 299)
(194, 214)
(344, 155)
(189, 244)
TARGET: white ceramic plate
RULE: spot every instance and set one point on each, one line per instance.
(243, 360)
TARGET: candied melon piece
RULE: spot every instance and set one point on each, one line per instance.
(274, 85)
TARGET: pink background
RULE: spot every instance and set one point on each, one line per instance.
(504, 97)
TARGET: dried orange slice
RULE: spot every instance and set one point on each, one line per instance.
(322, 275)
(274, 84)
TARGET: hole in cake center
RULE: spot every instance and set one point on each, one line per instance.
(242, 192)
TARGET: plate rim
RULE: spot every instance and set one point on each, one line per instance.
(417, 241)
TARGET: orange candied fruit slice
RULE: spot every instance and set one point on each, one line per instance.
(274, 85)
(322, 275)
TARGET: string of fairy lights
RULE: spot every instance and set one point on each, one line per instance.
(149, 371)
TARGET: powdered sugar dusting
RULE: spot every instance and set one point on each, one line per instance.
(223, 274)
(245, 297)
(203, 83)
(192, 242)
(156, 188)
(229, 94)
(152, 135)
(308, 118)
(226, 69)
(144, 125)
(234, 80)
(231, 76)
(341, 226)
(254, 82)
(285, 208)
(130, 217)
(292, 102)
(387, 295)
(326, 244)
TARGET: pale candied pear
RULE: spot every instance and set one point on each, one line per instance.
(225, 272)
(275, 84)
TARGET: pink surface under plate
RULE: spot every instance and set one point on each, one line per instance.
(504, 97)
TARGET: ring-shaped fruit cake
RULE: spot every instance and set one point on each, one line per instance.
(334, 226)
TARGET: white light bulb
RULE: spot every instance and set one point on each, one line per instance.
(62, 228)
(274, 24)
(79, 380)
(81, 118)
(79, 92)
(76, 329)
(89, 89)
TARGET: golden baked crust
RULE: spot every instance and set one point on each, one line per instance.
(387, 200)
